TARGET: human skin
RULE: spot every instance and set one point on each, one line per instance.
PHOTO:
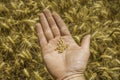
(72, 62)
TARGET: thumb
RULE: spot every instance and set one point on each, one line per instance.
(86, 42)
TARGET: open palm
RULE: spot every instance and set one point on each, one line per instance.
(73, 59)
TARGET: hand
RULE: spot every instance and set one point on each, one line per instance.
(73, 59)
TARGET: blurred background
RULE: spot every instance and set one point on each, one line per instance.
(20, 53)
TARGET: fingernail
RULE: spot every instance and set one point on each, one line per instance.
(89, 35)
(54, 12)
(41, 14)
(46, 9)
(37, 24)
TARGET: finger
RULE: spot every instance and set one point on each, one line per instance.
(63, 28)
(86, 42)
(41, 35)
(46, 28)
(52, 23)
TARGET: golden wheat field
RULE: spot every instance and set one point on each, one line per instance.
(20, 53)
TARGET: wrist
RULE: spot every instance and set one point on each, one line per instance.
(76, 78)
(73, 77)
